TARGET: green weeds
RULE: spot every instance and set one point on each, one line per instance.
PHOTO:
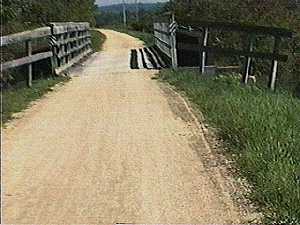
(262, 130)
(17, 99)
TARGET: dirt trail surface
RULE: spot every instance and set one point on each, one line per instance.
(110, 147)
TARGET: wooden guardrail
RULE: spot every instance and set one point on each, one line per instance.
(165, 40)
(202, 33)
(69, 43)
(27, 37)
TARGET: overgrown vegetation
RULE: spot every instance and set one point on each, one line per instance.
(17, 98)
(262, 130)
(20, 15)
(98, 40)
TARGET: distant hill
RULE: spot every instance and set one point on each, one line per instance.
(132, 7)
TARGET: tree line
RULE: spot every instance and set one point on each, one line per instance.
(19, 15)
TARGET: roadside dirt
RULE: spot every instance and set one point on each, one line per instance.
(111, 146)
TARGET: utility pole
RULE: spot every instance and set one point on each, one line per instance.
(124, 14)
(137, 10)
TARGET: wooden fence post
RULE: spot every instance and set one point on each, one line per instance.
(273, 75)
(248, 61)
(203, 54)
(174, 51)
(29, 53)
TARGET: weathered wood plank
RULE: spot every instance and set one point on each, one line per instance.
(162, 32)
(25, 36)
(76, 59)
(62, 39)
(277, 32)
(233, 52)
(163, 42)
(59, 28)
(26, 60)
(63, 42)
(63, 54)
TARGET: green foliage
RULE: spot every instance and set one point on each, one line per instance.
(113, 16)
(97, 40)
(18, 99)
(262, 130)
(277, 13)
(19, 15)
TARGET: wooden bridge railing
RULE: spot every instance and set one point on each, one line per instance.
(69, 42)
(202, 32)
(163, 39)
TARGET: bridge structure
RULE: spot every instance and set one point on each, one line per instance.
(68, 43)
(174, 41)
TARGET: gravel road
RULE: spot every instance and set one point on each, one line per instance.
(110, 146)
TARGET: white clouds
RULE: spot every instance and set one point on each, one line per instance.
(110, 2)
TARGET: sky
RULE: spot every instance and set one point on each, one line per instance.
(111, 2)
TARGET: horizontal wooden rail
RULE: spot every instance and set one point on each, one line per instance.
(64, 54)
(201, 32)
(163, 42)
(63, 42)
(162, 32)
(60, 28)
(258, 30)
(25, 36)
(69, 43)
(232, 52)
(26, 60)
(72, 62)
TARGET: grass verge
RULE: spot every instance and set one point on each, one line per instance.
(262, 130)
(17, 99)
(97, 40)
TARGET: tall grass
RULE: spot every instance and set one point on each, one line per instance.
(262, 130)
(98, 40)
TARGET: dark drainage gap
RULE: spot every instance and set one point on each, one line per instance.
(133, 60)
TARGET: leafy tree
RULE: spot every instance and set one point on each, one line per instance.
(18, 15)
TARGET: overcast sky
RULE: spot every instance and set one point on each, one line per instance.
(111, 2)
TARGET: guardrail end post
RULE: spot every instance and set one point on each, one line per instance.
(203, 54)
(273, 75)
